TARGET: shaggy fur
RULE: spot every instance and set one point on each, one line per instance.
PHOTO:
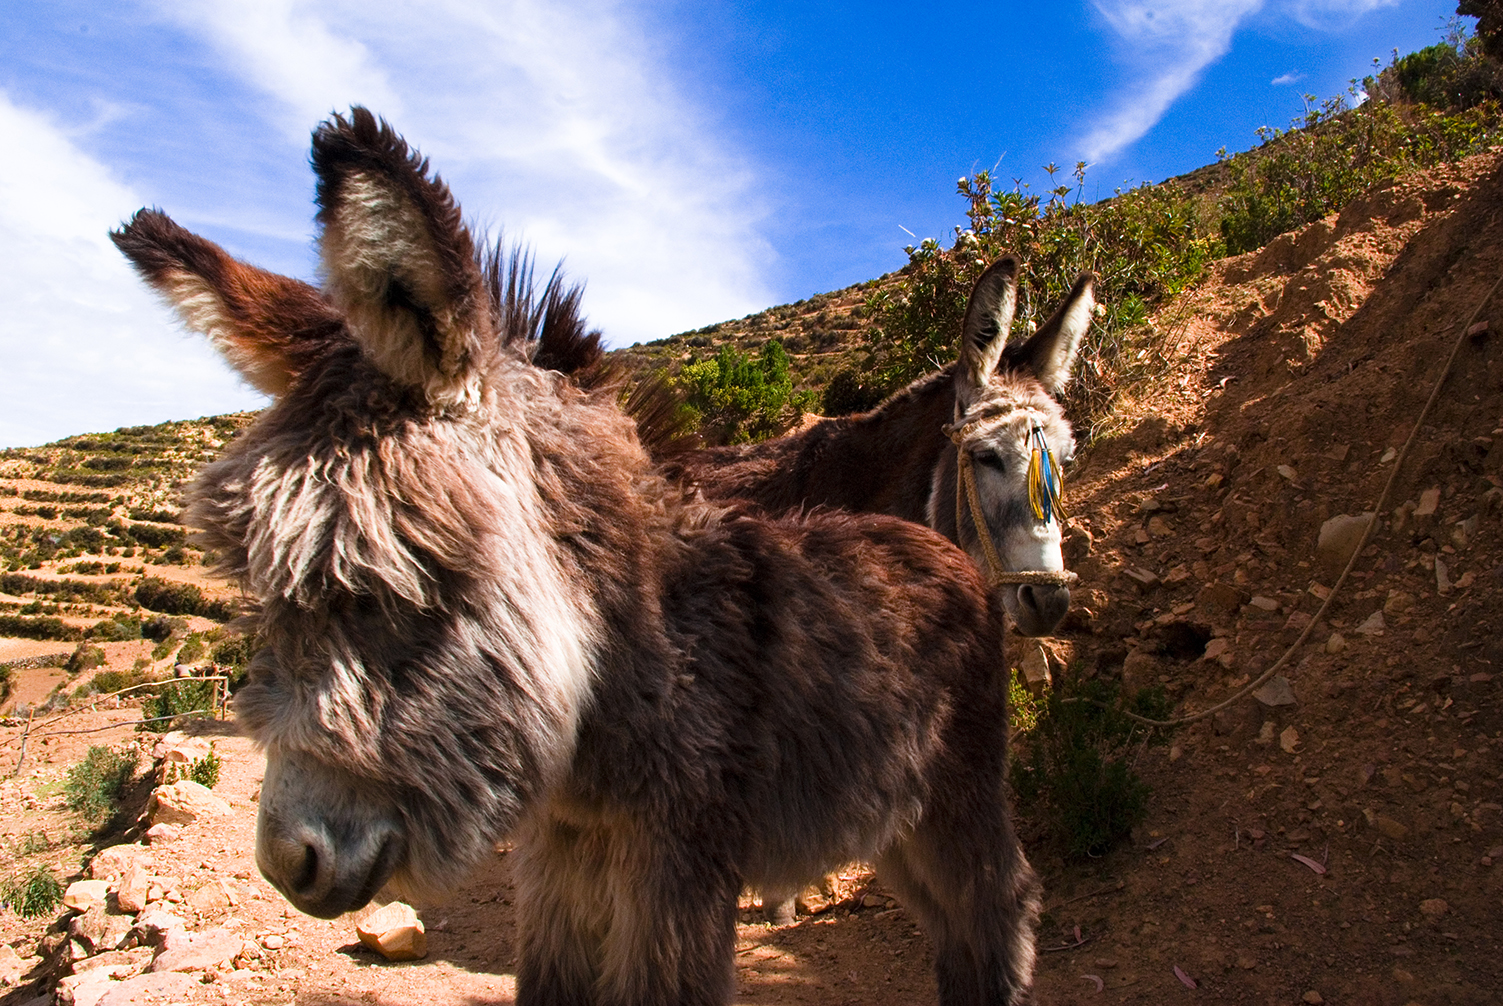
(485, 614)
(897, 459)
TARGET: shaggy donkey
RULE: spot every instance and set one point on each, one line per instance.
(485, 615)
(901, 459)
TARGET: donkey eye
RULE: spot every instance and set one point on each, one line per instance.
(989, 458)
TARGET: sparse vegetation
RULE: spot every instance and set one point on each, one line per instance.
(1074, 770)
(204, 771)
(180, 698)
(35, 894)
(740, 397)
(95, 784)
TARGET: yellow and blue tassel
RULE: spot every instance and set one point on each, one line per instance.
(1045, 484)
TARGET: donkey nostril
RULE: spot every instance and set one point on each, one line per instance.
(307, 877)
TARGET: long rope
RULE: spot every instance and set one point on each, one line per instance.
(1351, 562)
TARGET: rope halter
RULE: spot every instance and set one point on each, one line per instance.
(1045, 492)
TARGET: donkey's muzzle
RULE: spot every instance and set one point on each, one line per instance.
(325, 849)
(1036, 609)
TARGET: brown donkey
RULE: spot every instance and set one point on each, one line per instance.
(902, 457)
(485, 614)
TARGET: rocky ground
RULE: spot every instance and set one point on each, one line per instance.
(1335, 841)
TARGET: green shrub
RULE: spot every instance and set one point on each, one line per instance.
(38, 628)
(193, 648)
(204, 771)
(107, 682)
(156, 537)
(34, 895)
(180, 698)
(96, 783)
(1074, 768)
(84, 658)
(739, 397)
(169, 596)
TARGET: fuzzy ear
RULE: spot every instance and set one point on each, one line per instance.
(988, 320)
(398, 260)
(268, 327)
(1051, 352)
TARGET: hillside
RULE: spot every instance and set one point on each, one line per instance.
(1296, 378)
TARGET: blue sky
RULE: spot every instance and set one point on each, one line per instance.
(690, 161)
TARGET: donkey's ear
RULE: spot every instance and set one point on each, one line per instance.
(268, 327)
(1051, 352)
(988, 319)
(397, 259)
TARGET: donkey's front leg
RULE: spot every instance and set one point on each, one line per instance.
(672, 936)
(562, 889)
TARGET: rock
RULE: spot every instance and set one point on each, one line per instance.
(1372, 625)
(1429, 502)
(1159, 527)
(198, 951)
(184, 802)
(1246, 962)
(1289, 740)
(1145, 579)
(1140, 670)
(83, 895)
(1335, 643)
(1339, 538)
(1216, 648)
(1434, 908)
(395, 932)
(162, 834)
(97, 931)
(130, 895)
(177, 746)
(1035, 669)
(1389, 828)
(272, 941)
(1220, 597)
(1313, 997)
(213, 896)
(84, 989)
(147, 988)
(1276, 692)
(117, 963)
(873, 901)
(1263, 604)
(12, 965)
(114, 861)
(155, 925)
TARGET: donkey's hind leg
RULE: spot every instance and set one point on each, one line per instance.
(974, 893)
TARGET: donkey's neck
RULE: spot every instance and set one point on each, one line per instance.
(876, 462)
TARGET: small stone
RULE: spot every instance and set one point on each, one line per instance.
(1276, 692)
(1289, 740)
(272, 941)
(84, 989)
(1398, 602)
(1372, 625)
(162, 834)
(1264, 603)
(1335, 643)
(114, 861)
(83, 895)
(1105, 962)
(1266, 734)
(1429, 502)
(198, 951)
(1434, 907)
(1288, 472)
(117, 963)
(184, 802)
(213, 896)
(395, 932)
(154, 926)
(1338, 539)
(130, 895)
(1159, 527)
(1313, 997)
(147, 988)
(1390, 828)
(1246, 962)
(1216, 647)
(1145, 579)
(873, 901)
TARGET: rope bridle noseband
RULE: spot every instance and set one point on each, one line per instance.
(1044, 494)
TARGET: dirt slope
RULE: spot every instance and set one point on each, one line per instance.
(1304, 368)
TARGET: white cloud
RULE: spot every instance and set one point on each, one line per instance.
(550, 120)
(85, 347)
(1171, 42)
(1286, 78)
(1167, 44)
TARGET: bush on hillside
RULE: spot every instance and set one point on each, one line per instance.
(739, 397)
